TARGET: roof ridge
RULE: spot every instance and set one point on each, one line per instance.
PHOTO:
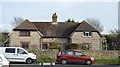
(89, 24)
(26, 21)
(21, 23)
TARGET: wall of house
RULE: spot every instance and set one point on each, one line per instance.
(33, 39)
(79, 38)
(58, 40)
(61, 41)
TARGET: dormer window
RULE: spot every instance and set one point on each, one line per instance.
(87, 34)
(48, 32)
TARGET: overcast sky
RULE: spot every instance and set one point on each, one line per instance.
(37, 10)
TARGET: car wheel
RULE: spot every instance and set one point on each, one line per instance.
(29, 61)
(64, 61)
(88, 62)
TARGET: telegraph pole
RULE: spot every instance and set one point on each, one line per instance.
(119, 31)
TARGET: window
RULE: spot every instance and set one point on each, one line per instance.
(63, 52)
(78, 54)
(20, 51)
(25, 45)
(24, 33)
(10, 50)
(48, 32)
(87, 34)
(70, 53)
(45, 46)
(86, 46)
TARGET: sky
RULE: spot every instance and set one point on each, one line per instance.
(41, 10)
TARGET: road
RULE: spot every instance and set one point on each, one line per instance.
(68, 65)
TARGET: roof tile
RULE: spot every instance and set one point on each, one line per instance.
(61, 29)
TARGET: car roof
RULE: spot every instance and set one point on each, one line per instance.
(70, 50)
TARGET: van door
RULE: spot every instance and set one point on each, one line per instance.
(10, 54)
(21, 55)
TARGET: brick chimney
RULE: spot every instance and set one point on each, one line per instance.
(54, 17)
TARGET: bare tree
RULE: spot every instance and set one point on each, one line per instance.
(95, 23)
(115, 31)
(17, 21)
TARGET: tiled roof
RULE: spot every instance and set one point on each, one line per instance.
(84, 26)
(26, 25)
(58, 29)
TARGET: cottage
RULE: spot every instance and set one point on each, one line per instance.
(39, 35)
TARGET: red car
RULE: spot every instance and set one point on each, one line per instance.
(72, 56)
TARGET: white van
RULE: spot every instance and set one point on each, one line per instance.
(17, 54)
(3, 61)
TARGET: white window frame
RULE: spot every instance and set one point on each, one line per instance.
(84, 33)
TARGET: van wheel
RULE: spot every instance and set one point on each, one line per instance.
(88, 62)
(29, 61)
(64, 61)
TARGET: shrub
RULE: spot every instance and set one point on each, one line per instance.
(72, 46)
(40, 60)
(54, 45)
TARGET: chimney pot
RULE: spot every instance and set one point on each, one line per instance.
(54, 17)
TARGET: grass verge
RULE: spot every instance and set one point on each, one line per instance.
(107, 61)
(40, 60)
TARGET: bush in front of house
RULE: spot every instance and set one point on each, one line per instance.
(41, 60)
(71, 46)
(54, 45)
